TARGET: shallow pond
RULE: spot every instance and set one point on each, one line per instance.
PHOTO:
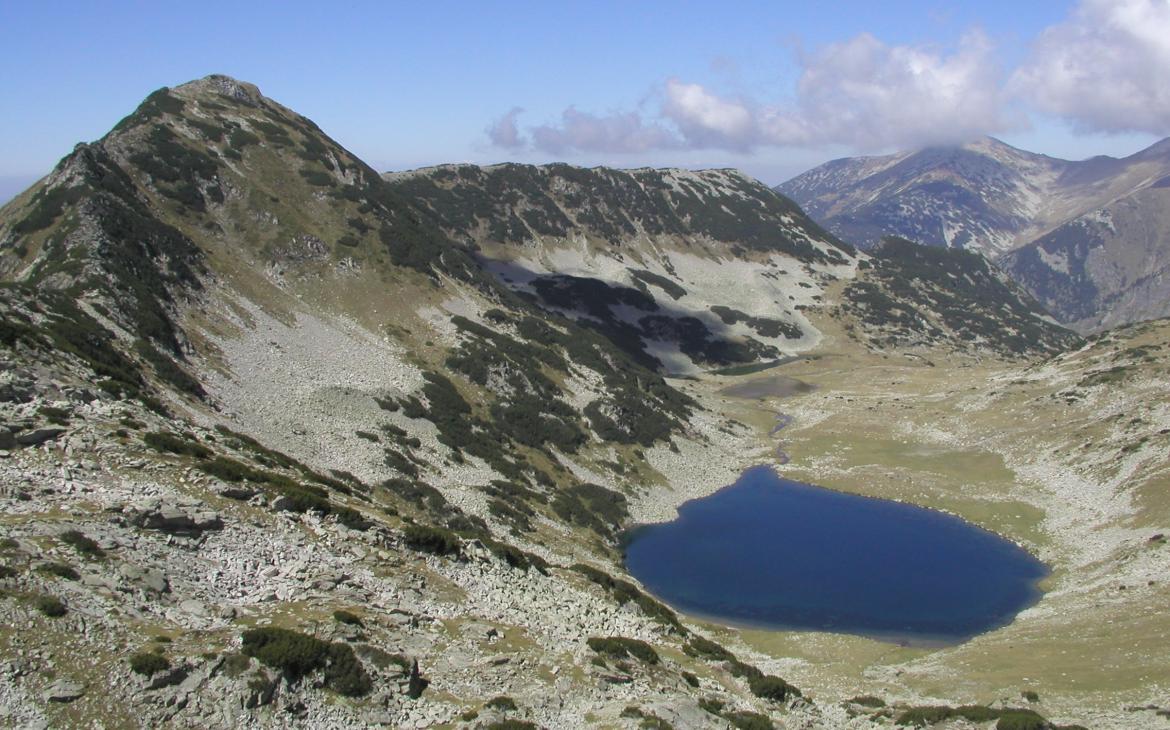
(772, 553)
(774, 386)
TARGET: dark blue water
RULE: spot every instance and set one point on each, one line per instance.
(773, 553)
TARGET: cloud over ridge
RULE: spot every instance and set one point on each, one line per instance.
(1103, 69)
(1106, 68)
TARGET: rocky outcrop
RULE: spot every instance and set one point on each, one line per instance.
(189, 519)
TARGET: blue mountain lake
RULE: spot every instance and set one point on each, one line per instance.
(771, 553)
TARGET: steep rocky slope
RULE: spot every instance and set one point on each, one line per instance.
(1105, 268)
(285, 442)
(1087, 239)
(984, 195)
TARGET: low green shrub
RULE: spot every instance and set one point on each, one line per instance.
(770, 687)
(344, 673)
(925, 715)
(230, 470)
(624, 592)
(619, 647)
(433, 540)
(50, 606)
(148, 663)
(346, 617)
(745, 720)
(351, 518)
(58, 416)
(743, 670)
(703, 648)
(61, 570)
(291, 652)
(170, 443)
(1007, 718)
(295, 655)
(711, 705)
(1012, 719)
(87, 546)
(236, 664)
(515, 557)
(502, 703)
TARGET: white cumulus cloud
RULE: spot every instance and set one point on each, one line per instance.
(505, 133)
(1105, 69)
(869, 95)
(706, 120)
(861, 93)
(621, 132)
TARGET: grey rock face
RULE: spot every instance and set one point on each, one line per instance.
(152, 579)
(39, 436)
(63, 690)
(167, 678)
(174, 519)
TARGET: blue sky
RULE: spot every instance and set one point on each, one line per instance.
(770, 87)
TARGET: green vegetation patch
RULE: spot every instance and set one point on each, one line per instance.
(47, 206)
(620, 647)
(502, 703)
(60, 570)
(1006, 719)
(296, 655)
(83, 544)
(347, 617)
(170, 443)
(148, 663)
(159, 102)
(625, 592)
(433, 540)
(512, 724)
(770, 687)
(745, 720)
(595, 507)
(643, 277)
(912, 292)
(50, 606)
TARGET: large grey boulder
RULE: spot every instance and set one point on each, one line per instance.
(170, 518)
(63, 690)
(38, 436)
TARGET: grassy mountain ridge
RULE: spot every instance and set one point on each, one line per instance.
(684, 286)
(512, 204)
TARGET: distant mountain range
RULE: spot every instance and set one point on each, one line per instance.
(1086, 238)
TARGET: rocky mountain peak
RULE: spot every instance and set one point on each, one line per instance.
(235, 89)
